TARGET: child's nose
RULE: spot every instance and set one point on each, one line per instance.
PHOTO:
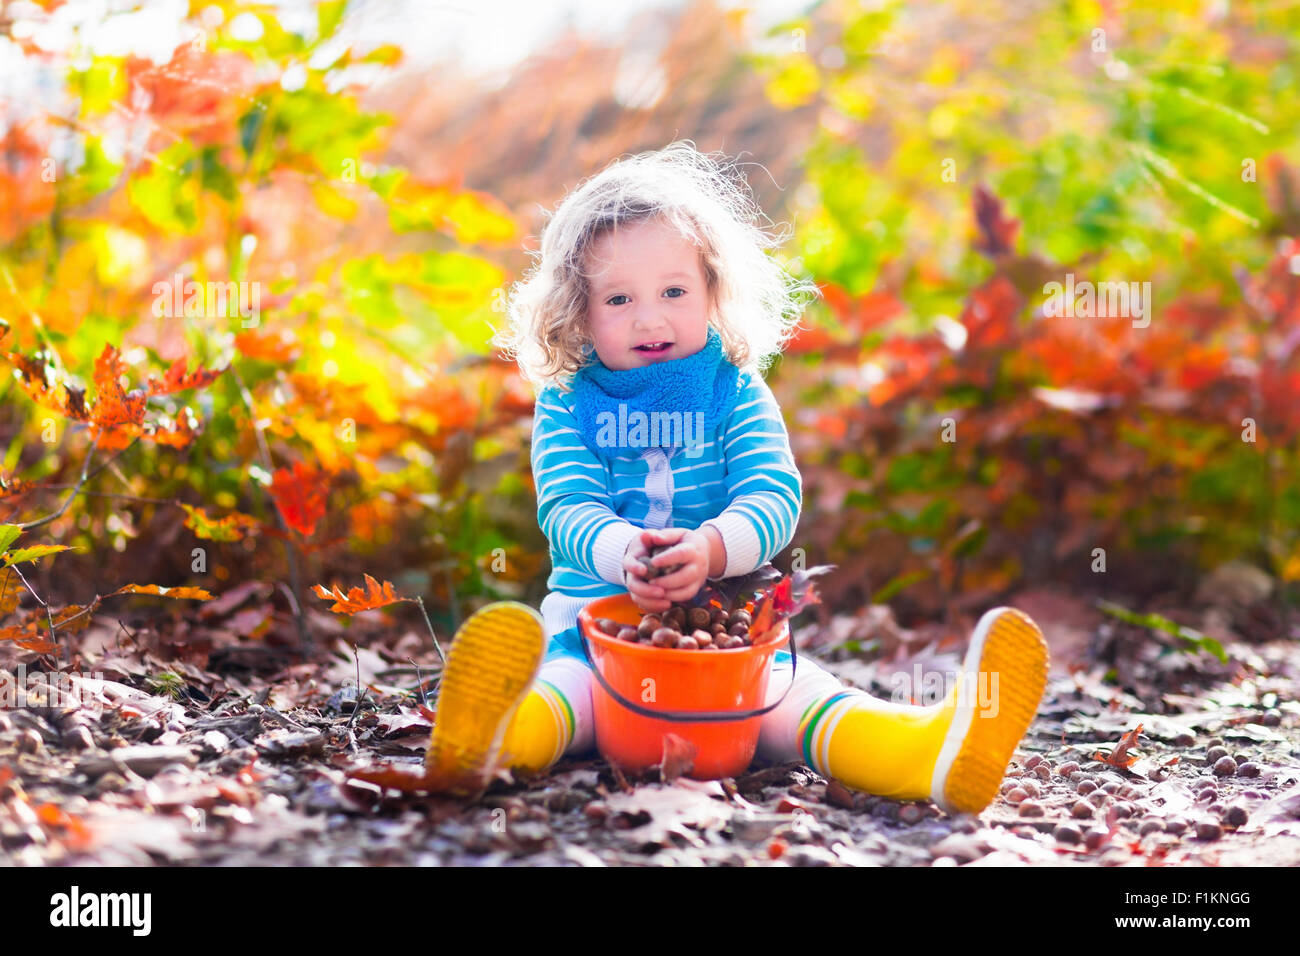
(647, 318)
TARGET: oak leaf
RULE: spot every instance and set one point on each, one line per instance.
(177, 379)
(299, 495)
(1118, 757)
(356, 600)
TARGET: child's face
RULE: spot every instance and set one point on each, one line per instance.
(648, 290)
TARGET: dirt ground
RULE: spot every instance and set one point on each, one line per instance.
(199, 746)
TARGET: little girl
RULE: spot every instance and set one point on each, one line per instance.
(644, 327)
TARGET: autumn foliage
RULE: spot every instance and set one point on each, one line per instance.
(341, 414)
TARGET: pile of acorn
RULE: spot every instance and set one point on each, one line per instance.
(685, 628)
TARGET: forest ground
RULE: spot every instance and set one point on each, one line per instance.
(198, 745)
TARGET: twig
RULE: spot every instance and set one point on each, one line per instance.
(85, 468)
(290, 554)
(287, 721)
(356, 706)
(54, 639)
(436, 646)
(424, 700)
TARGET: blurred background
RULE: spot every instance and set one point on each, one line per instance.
(373, 174)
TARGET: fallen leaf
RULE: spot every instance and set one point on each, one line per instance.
(356, 600)
(1118, 756)
(678, 757)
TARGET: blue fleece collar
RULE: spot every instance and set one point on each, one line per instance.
(674, 403)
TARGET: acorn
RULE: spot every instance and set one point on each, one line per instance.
(628, 634)
(687, 643)
(665, 637)
(675, 618)
(740, 616)
(718, 616)
(649, 624)
(738, 630)
(727, 641)
(698, 618)
(717, 629)
(606, 626)
(702, 637)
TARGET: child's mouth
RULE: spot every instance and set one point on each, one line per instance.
(654, 348)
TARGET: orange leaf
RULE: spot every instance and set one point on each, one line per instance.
(279, 346)
(114, 406)
(47, 386)
(300, 497)
(1118, 757)
(28, 638)
(394, 777)
(176, 379)
(73, 618)
(195, 594)
(357, 600)
(180, 434)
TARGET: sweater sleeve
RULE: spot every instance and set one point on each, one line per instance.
(574, 506)
(764, 487)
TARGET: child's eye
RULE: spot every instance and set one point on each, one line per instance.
(610, 300)
(675, 289)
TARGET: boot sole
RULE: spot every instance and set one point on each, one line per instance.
(978, 747)
(493, 661)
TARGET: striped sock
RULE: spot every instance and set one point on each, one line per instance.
(554, 717)
(778, 737)
(817, 725)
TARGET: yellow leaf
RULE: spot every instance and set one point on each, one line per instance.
(194, 594)
(794, 84)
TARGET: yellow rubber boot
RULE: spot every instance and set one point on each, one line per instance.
(954, 752)
(491, 665)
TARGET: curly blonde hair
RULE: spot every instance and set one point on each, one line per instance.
(756, 303)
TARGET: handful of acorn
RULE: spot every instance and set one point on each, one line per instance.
(719, 617)
(686, 628)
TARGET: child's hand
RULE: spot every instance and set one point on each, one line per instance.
(690, 553)
(646, 594)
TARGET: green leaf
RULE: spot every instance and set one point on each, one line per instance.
(32, 553)
(898, 584)
(1194, 639)
(8, 534)
(328, 17)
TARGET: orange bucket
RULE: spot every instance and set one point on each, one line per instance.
(714, 699)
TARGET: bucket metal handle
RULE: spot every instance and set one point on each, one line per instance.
(690, 716)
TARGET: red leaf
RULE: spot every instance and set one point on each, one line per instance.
(300, 496)
(997, 230)
(990, 314)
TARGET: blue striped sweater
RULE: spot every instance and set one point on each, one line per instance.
(744, 483)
